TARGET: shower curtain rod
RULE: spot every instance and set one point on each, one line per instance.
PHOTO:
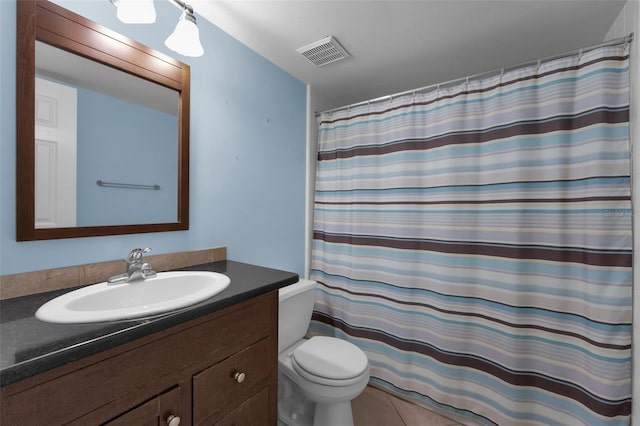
(613, 42)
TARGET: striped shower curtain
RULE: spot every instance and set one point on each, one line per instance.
(475, 241)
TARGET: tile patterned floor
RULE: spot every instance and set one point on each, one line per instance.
(375, 407)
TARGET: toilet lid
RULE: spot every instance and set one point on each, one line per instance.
(330, 358)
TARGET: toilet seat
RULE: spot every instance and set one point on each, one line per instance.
(329, 361)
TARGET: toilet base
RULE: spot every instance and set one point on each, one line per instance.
(335, 414)
(305, 403)
(294, 409)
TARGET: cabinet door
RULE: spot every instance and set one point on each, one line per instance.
(163, 410)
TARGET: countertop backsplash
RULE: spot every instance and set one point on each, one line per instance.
(28, 283)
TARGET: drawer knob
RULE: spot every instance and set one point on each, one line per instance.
(239, 377)
(173, 420)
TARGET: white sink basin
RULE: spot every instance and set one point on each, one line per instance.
(110, 302)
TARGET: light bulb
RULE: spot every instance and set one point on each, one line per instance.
(136, 11)
(185, 39)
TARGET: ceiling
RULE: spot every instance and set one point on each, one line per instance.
(403, 45)
(80, 72)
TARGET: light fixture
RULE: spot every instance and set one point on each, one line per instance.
(135, 11)
(185, 38)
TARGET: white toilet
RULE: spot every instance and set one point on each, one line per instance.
(318, 377)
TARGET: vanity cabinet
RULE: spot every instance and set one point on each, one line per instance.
(220, 369)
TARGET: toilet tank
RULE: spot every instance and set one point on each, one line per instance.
(294, 312)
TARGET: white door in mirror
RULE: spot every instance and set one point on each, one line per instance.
(103, 302)
(55, 154)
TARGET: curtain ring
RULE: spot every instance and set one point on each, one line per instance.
(539, 63)
(580, 53)
(438, 91)
(501, 75)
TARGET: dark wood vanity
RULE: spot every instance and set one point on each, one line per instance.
(191, 371)
(215, 364)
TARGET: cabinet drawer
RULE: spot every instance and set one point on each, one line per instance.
(216, 390)
(251, 413)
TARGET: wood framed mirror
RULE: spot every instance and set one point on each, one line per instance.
(45, 27)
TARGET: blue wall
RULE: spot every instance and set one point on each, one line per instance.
(247, 158)
(119, 141)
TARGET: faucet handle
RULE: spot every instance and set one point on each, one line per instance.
(136, 254)
(147, 271)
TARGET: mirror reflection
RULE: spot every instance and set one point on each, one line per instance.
(106, 144)
(139, 143)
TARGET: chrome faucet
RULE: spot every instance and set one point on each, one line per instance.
(136, 268)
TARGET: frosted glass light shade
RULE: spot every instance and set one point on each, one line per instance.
(185, 39)
(136, 11)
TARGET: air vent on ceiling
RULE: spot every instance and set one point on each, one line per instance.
(323, 52)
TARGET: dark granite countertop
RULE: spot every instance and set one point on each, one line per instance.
(29, 346)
